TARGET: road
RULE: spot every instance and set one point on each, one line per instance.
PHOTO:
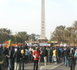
(49, 66)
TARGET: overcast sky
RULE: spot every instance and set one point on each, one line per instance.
(25, 15)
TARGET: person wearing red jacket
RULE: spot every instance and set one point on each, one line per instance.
(36, 55)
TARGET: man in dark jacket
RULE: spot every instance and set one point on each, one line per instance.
(2, 60)
(72, 61)
(45, 53)
(17, 56)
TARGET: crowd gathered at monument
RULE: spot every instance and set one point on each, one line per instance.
(15, 57)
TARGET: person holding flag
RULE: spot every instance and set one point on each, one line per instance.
(8, 53)
(7, 43)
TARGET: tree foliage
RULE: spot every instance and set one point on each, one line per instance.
(20, 37)
(65, 34)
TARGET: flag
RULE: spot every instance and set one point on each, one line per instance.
(14, 45)
(8, 43)
(50, 41)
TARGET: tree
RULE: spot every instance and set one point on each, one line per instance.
(65, 34)
(21, 37)
(4, 34)
(59, 34)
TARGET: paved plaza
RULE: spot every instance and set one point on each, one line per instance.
(49, 66)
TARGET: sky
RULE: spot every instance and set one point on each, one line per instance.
(25, 15)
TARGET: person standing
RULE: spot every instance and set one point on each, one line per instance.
(66, 56)
(17, 56)
(23, 58)
(45, 53)
(7, 53)
(3, 65)
(54, 57)
(49, 54)
(76, 55)
(72, 61)
(36, 55)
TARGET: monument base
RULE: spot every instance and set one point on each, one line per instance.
(42, 40)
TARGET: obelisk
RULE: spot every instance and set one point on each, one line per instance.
(42, 35)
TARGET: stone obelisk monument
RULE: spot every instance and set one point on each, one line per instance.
(43, 35)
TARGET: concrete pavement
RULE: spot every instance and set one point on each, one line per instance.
(63, 67)
(49, 66)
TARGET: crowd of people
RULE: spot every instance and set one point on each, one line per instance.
(14, 57)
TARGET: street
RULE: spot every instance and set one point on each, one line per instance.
(49, 66)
